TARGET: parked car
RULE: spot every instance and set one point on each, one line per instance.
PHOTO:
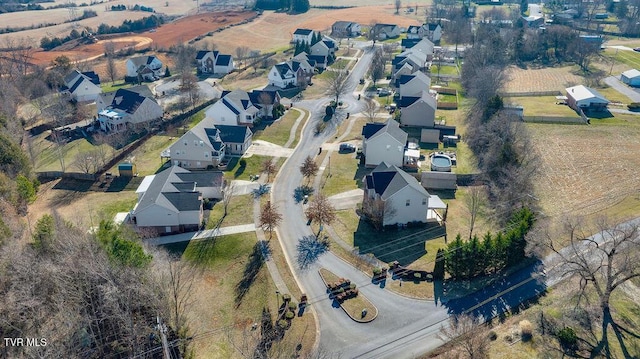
(636, 49)
(383, 92)
(347, 147)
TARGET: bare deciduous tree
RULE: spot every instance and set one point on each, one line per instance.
(370, 109)
(376, 69)
(227, 196)
(189, 87)
(467, 335)
(375, 209)
(474, 202)
(398, 4)
(242, 52)
(112, 69)
(270, 218)
(179, 278)
(86, 162)
(337, 83)
(320, 210)
(269, 167)
(309, 168)
(603, 262)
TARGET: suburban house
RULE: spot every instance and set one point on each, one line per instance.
(416, 58)
(342, 29)
(415, 32)
(149, 68)
(104, 100)
(385, 31)
(434, 32)
(383, 142)
(127, 108)
(400, 196)
(265, 101)
(586, 99)
(82, 86)
(321, 62)
(407, 68)
(302, 60)
(213, 62)
(171, 201)
(533, 21)
(413, 85)
(631, 77)
(207, 144)
(424, 46)
(303, 35)
(234, 108)
(283, 75)
(418, 111)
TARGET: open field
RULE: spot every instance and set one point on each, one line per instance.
(544, 79)
(541, 106)
(182, 30)
(587, 169)
(273, 31)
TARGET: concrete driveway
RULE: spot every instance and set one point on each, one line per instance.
(617, 85)
(263, 148)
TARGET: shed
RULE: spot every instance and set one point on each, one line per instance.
(586, 98)
(127, 169)
(439, 180)
(428, 135)
(631, 77)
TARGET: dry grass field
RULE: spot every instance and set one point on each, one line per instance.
(544, 79)
(273, 31)
(587, 169)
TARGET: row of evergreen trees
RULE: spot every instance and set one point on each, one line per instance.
(469, 259)
(298, 6)
(303, 46)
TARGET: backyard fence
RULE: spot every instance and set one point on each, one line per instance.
(51, 175)
(447, 105)
(530, 94)
(555, 119)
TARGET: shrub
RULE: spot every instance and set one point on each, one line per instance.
(492, 335)
(634, 106)
(352, 286)
(285, 297)
(377, 271)
(289, 315)
(283, 324)
(567, 337)
(293, 306)
(526, 330)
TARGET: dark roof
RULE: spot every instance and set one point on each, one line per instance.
(223, 60)
(303, 32)
(262, 97)
(282, 69)
(142, 60)
(203, 178)
(71, 76)
(318, 59)
(432, 26)
(330, 43)
(76, 84)
(413, 28)
(409, 43)
(230, 106)
(184, 201)
(233, 134)
(201, 54)
(167, 190)
(127, 101)
(406, 101)
(150, 59)
(380, 181)
(403, 79)
(371, 129)
(386, 180)
(396, 60)
(93, 77)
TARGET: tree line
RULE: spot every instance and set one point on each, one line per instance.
(297, 6)
(473, 258)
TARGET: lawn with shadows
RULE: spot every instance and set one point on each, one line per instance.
(239, 211)
(277, 132)
(243, 168)
(342, 173)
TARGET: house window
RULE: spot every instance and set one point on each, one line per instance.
(177, 153)
(206, 155)
(201, 144)
(424, 201)
(248, 117)
(408, 203)
(185, 143)
(195, 142)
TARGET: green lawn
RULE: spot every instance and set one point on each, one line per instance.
(114, 86)
(48, 154)
(447, 98)
(240, 211)
(278, 132)
(614, 96)
(444, 70)
(242, 168)
(541, 106)
(147, 156)
(344, 173)
(630, 58)
(123, 202)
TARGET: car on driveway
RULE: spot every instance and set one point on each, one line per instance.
(347, 147)
(636, 49)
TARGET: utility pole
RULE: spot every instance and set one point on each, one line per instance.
(163, 334)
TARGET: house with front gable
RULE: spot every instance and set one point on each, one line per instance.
(385, 31)
(213, 62)
(265, 101)
(147, 68)
(406, 69)
(418, 111)
(434, 32)
(172, 200)
(399, 195)
(234, 108)
(413, 85)
(415, 32)
(126, 108)
(283, 75)
(345, 29)
(303, 35)
(424, 46)
(383, 142)
(82, 86)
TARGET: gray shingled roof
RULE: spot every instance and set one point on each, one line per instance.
(392, 127)
(387, 180)
(163, 192)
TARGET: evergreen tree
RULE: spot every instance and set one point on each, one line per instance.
(438, 268)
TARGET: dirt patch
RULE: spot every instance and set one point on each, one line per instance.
(585, 169)
(273, 30)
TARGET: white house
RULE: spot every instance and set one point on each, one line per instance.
(631, 77)
(104, 99)
(418, 111)
(344, 29)
(303, 35)
(403, 200)
(82, 86)
(127, 109)
(168, 204)
(586, 99)
(413, 85)
(213, 62)
(385, 31)
(148, 67)
(283, 75)
(424, 46)
(265, 101)
(383, 142)
(234, 108)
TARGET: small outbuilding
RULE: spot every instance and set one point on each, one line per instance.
(586, 99)
(631, 77)
(127, 169)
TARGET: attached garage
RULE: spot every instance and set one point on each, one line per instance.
(631, 78)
